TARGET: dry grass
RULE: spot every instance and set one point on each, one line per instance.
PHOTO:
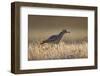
(57, 51)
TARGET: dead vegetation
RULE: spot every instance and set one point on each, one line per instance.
(63, 50)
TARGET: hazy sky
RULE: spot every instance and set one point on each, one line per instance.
(40, 25)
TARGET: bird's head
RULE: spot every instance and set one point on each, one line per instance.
(65, 31)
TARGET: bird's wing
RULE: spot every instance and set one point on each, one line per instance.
(54, 37)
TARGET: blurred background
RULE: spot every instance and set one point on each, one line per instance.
(40, 27)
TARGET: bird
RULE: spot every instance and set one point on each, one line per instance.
(55, 38)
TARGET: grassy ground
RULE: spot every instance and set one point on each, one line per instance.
(63, 50)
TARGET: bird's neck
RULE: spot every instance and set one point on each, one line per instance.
(61, 34)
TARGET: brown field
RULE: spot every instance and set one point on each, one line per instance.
(63, 50)
(73, 45)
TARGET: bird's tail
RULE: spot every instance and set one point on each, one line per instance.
(42, 42)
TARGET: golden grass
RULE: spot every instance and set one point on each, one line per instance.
(57, 51)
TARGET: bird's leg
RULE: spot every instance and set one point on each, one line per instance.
(51, 45)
